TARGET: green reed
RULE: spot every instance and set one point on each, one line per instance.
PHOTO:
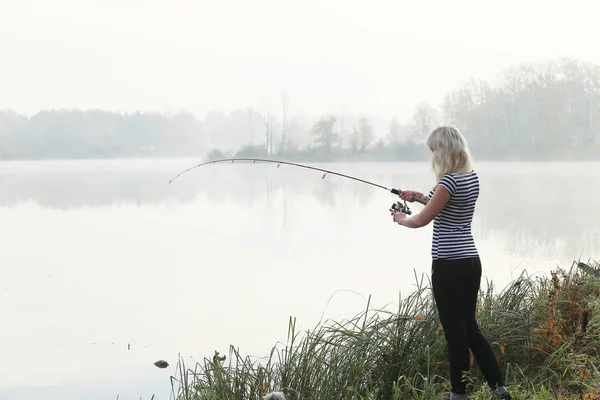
(544, 330)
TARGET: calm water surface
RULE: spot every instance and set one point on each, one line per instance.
(101, 255)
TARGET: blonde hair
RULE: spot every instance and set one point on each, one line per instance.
(449, 151)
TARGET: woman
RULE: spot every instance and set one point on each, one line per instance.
(456, 267)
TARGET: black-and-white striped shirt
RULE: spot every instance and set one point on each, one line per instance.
(452, 237)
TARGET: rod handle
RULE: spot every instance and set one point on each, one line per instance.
(395, 191)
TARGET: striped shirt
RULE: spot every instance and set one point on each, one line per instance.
(452, 237)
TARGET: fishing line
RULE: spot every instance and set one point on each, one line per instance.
(395, 207)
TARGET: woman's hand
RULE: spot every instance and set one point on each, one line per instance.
(398, 217)
(433, 207)
(410, 195)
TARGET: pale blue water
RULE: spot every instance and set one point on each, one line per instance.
(101, 254)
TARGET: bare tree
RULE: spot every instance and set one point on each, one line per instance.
(362, 136)
(425, 117)
(285, 121)
(269, 121)
(395, 133)
(341, 131)
(251, 129)
(365, 134)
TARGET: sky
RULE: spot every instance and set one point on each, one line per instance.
(376, 57)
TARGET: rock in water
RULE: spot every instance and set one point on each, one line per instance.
(275, 396)
(161, 364)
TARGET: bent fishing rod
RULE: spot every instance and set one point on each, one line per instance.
(395, 207)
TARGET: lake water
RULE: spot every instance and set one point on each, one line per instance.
(101, 255)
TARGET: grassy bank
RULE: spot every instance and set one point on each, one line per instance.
(545, 331)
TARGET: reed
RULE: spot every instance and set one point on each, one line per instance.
(545, 331)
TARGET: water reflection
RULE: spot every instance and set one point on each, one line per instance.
(547, 207)
(534, 207)
(110, 254)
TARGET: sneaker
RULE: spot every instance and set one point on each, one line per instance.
(501, 394)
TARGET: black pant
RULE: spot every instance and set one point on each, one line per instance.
(455, 289)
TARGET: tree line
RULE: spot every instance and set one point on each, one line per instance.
(547, 110)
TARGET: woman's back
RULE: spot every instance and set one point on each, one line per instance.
(452, 237)
(456, 268)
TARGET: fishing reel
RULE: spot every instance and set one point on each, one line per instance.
(400, 207)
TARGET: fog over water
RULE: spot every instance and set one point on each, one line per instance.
(99, 255)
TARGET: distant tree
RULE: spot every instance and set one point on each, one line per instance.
(215, 154)
(323, 130)
(268, 125)
(362, 136)
(285, 122)
(535, 108)
(548, 110)
(425, 118)
(395, 135)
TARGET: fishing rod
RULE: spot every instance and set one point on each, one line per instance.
(395, 207)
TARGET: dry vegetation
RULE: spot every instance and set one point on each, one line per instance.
(545, 331)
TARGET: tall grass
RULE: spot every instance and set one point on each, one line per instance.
(545, 331)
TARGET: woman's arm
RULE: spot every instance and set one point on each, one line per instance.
(421, 198)
(432, 208)
(413, 195)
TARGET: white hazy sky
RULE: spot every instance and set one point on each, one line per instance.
(377, 57)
